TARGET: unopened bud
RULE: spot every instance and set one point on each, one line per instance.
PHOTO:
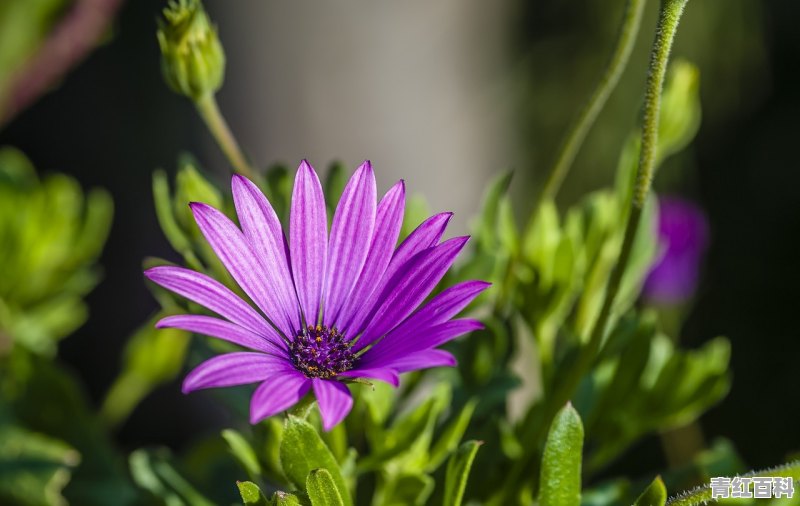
(192, 58)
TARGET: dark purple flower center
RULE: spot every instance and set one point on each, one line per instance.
(321, 352)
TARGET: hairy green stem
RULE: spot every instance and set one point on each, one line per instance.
(583, 123)
(303, 407)
(702, 495)
(532, 437)
(670, 13)
(209, 110)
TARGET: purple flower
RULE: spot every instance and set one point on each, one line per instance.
(683, 237)
(333, 307)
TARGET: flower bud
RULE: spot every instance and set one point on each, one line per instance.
(192, 58)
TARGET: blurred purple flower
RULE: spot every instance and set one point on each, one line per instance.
(333, 307)
(683, 238)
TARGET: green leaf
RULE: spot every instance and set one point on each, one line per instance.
(268, 437)
(285, 499)
(251, 494)
(243, 452)
(377, 401)
(680, 108)
(407, 442)
(165, 214)
(507, 231)
(278, 189)
(191, 186)
(96, 224)
(458, 468)
(542, 234)
(322, 490)
(616, 491)
(336, 441)
(486, 231)
(38, 327)
(302, 450)
(16, 169)
(560, 481)
(151, 357)
(407, 489)
(33, 468)
(654, 495)
(51, 234)
(152, 472)
(47, 400)
(451, 436)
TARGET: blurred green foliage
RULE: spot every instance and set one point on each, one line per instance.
(52, 235)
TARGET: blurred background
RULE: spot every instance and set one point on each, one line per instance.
(445, 95)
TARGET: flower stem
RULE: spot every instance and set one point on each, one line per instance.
(303, 408)
(670, 13)
(580, 128)
(209, 110)
(532, 438)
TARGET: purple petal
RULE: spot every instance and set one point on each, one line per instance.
(409, 287)
(241, 261)
(262, 228)
(422, 360)
(351, 231)
(383, 374)
(421, 339)
(232, 369)
(683, 238)
(308, 229)
(423, 237)
(388, 222)
(426, 235)
(441, 308)
(276, 394)
(222, 329)
(210, 294)
(334, 401)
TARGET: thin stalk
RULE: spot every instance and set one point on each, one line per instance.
(583, 123)
(670, 13)
(208, 109)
